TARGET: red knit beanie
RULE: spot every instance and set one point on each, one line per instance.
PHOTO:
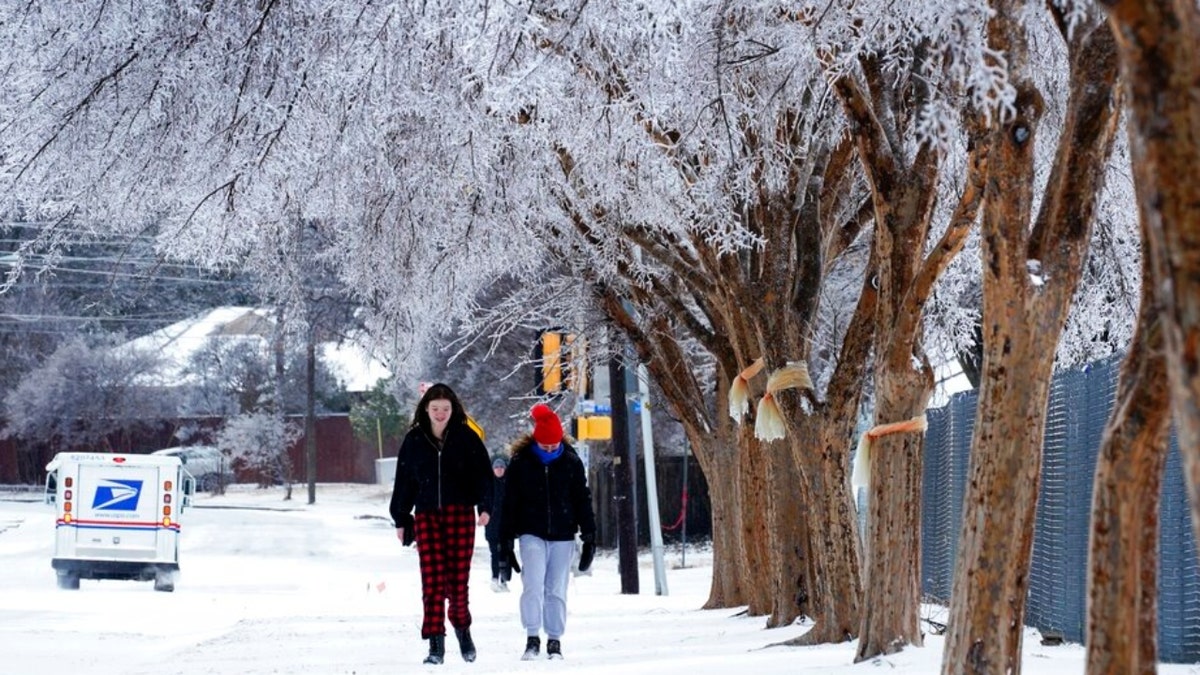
(547, 429)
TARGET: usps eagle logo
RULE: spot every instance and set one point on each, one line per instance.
(117, 495)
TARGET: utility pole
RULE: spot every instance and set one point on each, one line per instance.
(310, 414)
(624, 477)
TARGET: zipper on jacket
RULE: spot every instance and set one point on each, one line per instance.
(549, 516)
(439, 453)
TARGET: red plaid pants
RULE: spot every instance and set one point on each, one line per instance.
(445, 544)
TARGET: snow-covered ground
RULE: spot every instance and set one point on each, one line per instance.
(269, 586)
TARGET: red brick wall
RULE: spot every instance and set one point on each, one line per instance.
(340, 457)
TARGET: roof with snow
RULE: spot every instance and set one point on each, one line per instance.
(178, 342)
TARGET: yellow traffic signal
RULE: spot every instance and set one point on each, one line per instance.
(563, 361)
(593, 428)
(552, 380)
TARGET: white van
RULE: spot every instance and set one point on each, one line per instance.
(117, 516)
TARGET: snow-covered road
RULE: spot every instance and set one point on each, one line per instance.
(268, 586)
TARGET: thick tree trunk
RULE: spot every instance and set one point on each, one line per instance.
(1159, 42)
(991, 581)
(789, 543)
(1023, 316)
(729, 565)
(714, 443)
(755, 492)
(892, 579)
(835, 551)
(1122, 619)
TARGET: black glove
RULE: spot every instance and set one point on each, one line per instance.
(410, 529)
(508, 557)
(588, 552)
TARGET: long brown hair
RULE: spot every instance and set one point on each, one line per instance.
(436, 392)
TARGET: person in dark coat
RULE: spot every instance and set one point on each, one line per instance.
(444, 476)
(501, 572)
(546, 503)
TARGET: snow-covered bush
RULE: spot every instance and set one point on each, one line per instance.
(261, 441)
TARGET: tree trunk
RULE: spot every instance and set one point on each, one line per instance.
(729, 570)
(1023, 316)
(991, 582)
(1159, 42)
(729, 566)
(892, 578)
(1122, 619)
(789, 543)
(755, 490)
(835, 584)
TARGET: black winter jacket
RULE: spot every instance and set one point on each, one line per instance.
(492, 530)
(428, 478)
(551, 501)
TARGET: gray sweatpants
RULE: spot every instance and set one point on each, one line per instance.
(545, 571)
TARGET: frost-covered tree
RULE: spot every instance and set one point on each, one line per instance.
(82, 395)
(216, 126)
(256, 439)
(685, 161)
(232, 376)
(1035, 240)
(684, 204)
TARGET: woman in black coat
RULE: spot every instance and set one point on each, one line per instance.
(546, 502)
(443, 474)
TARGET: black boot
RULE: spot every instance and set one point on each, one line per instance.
(533, 645)
(465, 644)
(437, 649)
(553, 649)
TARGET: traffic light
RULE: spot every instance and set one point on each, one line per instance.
(549, 354)
(562, 363)
(593, 428)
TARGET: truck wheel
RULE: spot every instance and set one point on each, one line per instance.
(68, 581)
(165, 582)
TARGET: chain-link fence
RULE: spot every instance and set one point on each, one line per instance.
(1080, 402)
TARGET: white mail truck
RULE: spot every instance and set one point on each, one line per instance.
(117, 516)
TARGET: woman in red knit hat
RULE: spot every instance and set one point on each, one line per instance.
(443, 473)
(546, 502)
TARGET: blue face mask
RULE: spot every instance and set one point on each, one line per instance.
(545, 455)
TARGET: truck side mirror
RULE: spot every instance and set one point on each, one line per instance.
(51, 494)
(189, 489)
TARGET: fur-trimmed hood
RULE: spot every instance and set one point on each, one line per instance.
(524, 443)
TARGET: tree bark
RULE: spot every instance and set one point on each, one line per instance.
(713, 441)
(902, 197)
(1023, 316)
(892, 578)
(789, 554)
(1122, 615)
(1159, 42)
(836, 586)
(310, 415)
(755, 489)
(729, 569)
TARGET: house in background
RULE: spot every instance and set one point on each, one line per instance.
(249, 332)
(253, 328)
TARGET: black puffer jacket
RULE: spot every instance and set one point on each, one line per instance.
(551, 501)
(428, 478)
